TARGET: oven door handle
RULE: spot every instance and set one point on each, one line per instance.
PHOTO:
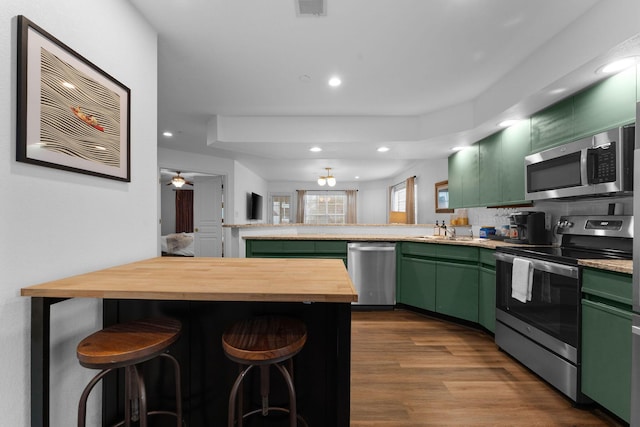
(546, 266)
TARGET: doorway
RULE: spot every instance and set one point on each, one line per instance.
(200, 199)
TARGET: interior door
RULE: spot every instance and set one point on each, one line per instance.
(207, 216)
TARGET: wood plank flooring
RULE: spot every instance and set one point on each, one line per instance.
(410, 370)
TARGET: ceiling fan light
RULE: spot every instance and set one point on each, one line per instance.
(178, 181)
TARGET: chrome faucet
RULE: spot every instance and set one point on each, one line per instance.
(450, 232)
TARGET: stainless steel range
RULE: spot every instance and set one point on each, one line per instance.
(541, 328)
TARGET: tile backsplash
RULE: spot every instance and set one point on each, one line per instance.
(497, 217)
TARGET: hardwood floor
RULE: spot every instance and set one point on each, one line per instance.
(410, 370)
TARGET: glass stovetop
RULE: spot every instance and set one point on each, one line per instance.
(568, 255)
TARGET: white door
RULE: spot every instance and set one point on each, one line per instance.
(207, 216)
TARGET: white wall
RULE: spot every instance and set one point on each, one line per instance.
(247, 181)
(55, 223)
(373, 195)
(427, 173)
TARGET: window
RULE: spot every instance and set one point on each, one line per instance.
(398, 201)
(325, 207)
(399, 197)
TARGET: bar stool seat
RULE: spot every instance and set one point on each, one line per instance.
(128, 345)
(264, 341)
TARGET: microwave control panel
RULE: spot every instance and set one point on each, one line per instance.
(602, 163)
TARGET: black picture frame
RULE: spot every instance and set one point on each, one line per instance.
(71, 114)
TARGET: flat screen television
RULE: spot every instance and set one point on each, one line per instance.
(254, 206)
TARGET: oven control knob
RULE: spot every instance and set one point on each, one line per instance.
(565, 224)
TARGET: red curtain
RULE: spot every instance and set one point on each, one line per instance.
(184, 211)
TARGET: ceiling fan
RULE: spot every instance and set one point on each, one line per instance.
(178, 180)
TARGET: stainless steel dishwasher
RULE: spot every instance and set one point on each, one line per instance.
(372, 268)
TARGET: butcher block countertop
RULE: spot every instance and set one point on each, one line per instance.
(210, 279)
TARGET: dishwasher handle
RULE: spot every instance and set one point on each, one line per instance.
(371, 248)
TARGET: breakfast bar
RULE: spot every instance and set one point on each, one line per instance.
(208, 294)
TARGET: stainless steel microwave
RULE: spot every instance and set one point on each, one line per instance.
(598, 165)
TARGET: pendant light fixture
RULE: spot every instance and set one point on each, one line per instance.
(327, 179)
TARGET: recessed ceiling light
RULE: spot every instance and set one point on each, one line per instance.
(315, 149)
(357, 177)
(558, 91)
(459, 148)
(619, 65)
(383, 149)
(507, 123)
(167, 134)
(335, 81)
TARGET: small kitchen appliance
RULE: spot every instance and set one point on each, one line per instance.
(543, 330)
(527, 228)
(599, 165)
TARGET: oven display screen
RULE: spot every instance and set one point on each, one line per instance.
(603, 225)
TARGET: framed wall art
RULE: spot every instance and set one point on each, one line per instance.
(71, 114)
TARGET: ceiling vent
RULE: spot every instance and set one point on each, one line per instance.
(311, 7)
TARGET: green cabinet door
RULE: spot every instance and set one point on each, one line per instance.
(457, 290)
(416, 283)
(490, 169)
(606, 105)
(516, 144)
(487, 297)
(606, 356)
(464, 178)
(552, 126)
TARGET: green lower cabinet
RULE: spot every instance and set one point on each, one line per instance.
(297, 249)
(487, 297)
(606, 356)
(416, 284)
(457, 290)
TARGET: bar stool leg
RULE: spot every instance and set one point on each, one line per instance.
(233, 395)
(142, 394)
(264, 389)
(82, 406)
(178, 381)
(293, 413)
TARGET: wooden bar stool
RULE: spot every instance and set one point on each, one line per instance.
(264, 341)
(128, 345)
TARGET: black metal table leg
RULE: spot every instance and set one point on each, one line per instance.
(40, 353)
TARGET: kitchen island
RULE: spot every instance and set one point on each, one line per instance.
(207, 295)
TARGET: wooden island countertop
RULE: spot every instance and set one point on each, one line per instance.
(210, 279)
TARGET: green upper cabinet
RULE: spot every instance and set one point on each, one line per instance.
(638, 83)
(463, 178)
(516, 144)
(490, 178)
(552, 126)
(500, 178)
(605, 105)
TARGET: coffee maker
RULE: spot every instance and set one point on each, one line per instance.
(527, 228)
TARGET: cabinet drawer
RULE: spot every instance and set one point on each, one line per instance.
(331, 246)
(606, 284)
(606, 356)
(487, 258)
(461, 253)
(419, 249)
(282, 247)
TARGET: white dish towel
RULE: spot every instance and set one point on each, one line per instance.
(521, 280)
